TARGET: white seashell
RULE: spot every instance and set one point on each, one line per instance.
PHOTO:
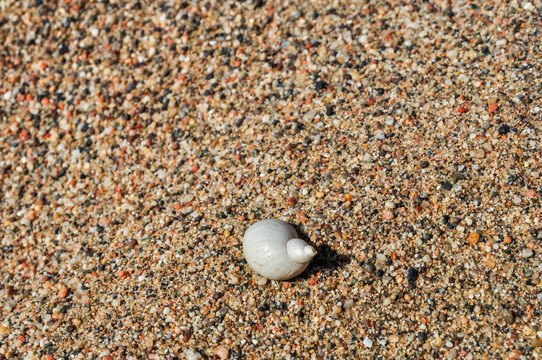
(274, 251)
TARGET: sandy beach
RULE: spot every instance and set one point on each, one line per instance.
(139, 141)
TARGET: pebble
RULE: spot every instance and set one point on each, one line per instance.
(380, 135)
(222, 352)
(348, 304)
(527, 253)
(508, 316)
(262, 281)
(322, 310)
(388, 215)
(531, 193)
(390, 205)
(504, 129)
(369, 266)
(192, 354)
(528, 6)
(412, 274)
(63, 292)
(393, 339)
(536, 342)
(478, 153)
(337, 309)
(473, 238)
(453, 354)
(490, 262)
(368, 342)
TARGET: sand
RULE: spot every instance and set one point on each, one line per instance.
(139, 140)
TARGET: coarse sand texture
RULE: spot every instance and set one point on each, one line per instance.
(140, 140)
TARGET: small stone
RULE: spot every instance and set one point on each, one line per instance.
(337, 309)
(320, 85)
(490, 262)
(292, 201)
(508, 316)
(422, 336)
(478, 153)
(526, 253)
(234, 280)
(528, 6)
(530, 193)
(380, 135)
(412, 274)
(473, 238)
(453, 354)
(187, 334)
(393, 339)
(369, 266)
(63, 292)
(458, 177)
(192, 354)
(222, 352)
(536, 342)
(262, 281)
(388, 215)
(504, 129)
(389, 205)
(322, 310)
(94, 31)
(368, 342)
(348, 304)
